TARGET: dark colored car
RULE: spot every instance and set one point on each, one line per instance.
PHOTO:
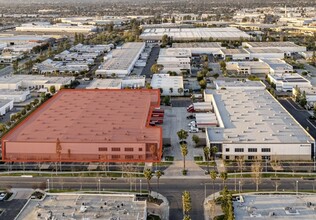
(190, 117)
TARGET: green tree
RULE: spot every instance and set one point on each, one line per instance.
(256, 172)
(195, 139)
(158, 174)
(206, 151)
(223, 65)
(184, 152)
(199, 76)
(182, 135)
(23, 112)
(166, 100)
(15, 66)
(203, 84)
(214, 150)
(213, 176)
(180, 90)
(156, 68)
(186, 202)
(52, 89)
(186, 217)
(224, 177)
(148, 175)
(3, 127)
(164, 40)
(303, 100)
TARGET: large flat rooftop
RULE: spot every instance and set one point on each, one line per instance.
(13, 79)
(197, 45)
(272, 44)
(252, 115)
(194, 33)
(87, 125)
(262, 207)
(70, 206)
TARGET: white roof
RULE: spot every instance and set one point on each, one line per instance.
(105, 84)
(254, 116)
(166, 81)
(14, 79)
(194, 33)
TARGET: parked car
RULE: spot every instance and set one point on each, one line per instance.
(192, 124)
(190, 117)
(193, 130)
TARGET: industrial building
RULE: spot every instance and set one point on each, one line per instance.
(99, 48)
(287, 47)
(310, 93)
(253, 123)
(200, 47)
(184, 34)
(57, 28)
(286, 82)
(170, 85)
(278, 66)
(118, 83)
(10, 39)
(5, 106)
(248, 67)
(251, 53)
(18, 82)
(15, 95)
(51, 66)
(121, 61)
(88, 126)
(85, 206)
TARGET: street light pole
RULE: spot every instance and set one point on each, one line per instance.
(48, 185)
(99, 185)
(239, 186)
(296, 187)
(140, 186)
(235, 181)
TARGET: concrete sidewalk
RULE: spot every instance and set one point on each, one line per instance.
(176, 168)
(162, 210)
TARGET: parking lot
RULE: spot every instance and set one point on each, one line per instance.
(175, 120)
(276, 207)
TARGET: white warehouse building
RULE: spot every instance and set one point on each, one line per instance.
(121, 61)
(286, 47)
(184, 34)
(5, 106)
(170, 85)
(252, 123)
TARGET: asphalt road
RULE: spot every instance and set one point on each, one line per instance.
(151, 61)
(300, 115)
(170, 188)
(5, 71)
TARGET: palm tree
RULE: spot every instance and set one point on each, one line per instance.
(196, 140)
(186, 217)
(182, 135)
(184, 152)
(186, 202)
(224, 177)
(213, 175)
(3, 127)
(206, 150)
(158, 173)
(214, 150)
(148, 175)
